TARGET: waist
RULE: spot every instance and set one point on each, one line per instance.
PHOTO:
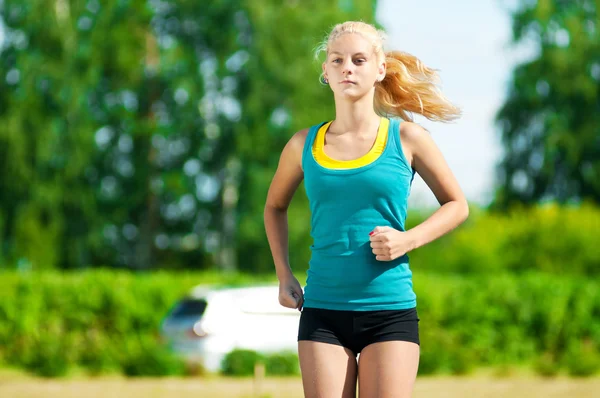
(352, 283)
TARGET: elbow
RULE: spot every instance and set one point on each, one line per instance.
(271, 208)
(458, 210)
(273, 214)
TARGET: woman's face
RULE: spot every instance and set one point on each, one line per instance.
(352, 67)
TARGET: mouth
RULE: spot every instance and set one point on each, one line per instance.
(347, 82)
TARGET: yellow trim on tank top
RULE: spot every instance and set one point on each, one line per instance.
(376, 150)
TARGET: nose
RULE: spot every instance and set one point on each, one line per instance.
(347, 67)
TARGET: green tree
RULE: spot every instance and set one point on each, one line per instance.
(114, 116)
(44, 149)
(145, 133)
(550, 121)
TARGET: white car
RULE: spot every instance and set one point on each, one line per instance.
(209, 323)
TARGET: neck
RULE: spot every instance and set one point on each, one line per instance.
(354, 116)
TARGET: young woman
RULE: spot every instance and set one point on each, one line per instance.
(358, 170)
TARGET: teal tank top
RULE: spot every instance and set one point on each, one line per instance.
(345, 205)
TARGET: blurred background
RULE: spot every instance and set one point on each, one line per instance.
(138, 139)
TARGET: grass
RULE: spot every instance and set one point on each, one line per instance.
(18, 385)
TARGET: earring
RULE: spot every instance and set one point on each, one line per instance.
(324, 80)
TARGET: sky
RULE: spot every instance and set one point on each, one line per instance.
(469, 43)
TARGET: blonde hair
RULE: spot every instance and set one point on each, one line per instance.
(408, 87)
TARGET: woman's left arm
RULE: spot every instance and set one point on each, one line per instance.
(423, 154)
(429, 163)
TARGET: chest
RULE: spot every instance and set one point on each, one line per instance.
(348, 147)
(386, 180)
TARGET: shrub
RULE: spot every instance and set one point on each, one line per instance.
(547, 365)
(549, 238)
(240, 362)
(105, 321)
(282, 364)
(582, 359)
(145, 357)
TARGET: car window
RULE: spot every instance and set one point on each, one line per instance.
(189, 307)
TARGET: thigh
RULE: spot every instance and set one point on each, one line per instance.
(328, 370)
(388, 369)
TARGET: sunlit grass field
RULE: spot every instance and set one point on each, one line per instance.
(16, 385)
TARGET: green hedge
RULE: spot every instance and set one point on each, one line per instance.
(102, 321)
(242, 363)
(560, 240)
(498, 319)
(105, 321)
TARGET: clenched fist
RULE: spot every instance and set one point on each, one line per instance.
(388, 243)
(290, 293)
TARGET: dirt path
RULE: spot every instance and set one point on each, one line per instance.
(446, 387)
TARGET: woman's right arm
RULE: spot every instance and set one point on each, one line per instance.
(287, 178)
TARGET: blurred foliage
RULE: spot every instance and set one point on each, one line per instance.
(100, 321)
(144, 133)
(282, 364)
(517, 319)
(113, 139)
(108, 321)
(550, 121)
(549, 238)
(243, 363)
(144, 357)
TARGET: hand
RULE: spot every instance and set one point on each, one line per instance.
(290, 293)
(388, 243)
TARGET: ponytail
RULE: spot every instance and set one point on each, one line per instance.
(410, 87)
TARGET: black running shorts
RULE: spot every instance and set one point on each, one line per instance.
(357, 329)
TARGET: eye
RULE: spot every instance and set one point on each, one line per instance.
(360, 60)
(337, 60)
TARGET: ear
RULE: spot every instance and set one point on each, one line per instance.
(324, 69)
(381, 71)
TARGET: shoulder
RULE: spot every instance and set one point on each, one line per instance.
(298, 139)
(413, 137)
(292, 152)
(412, 132)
